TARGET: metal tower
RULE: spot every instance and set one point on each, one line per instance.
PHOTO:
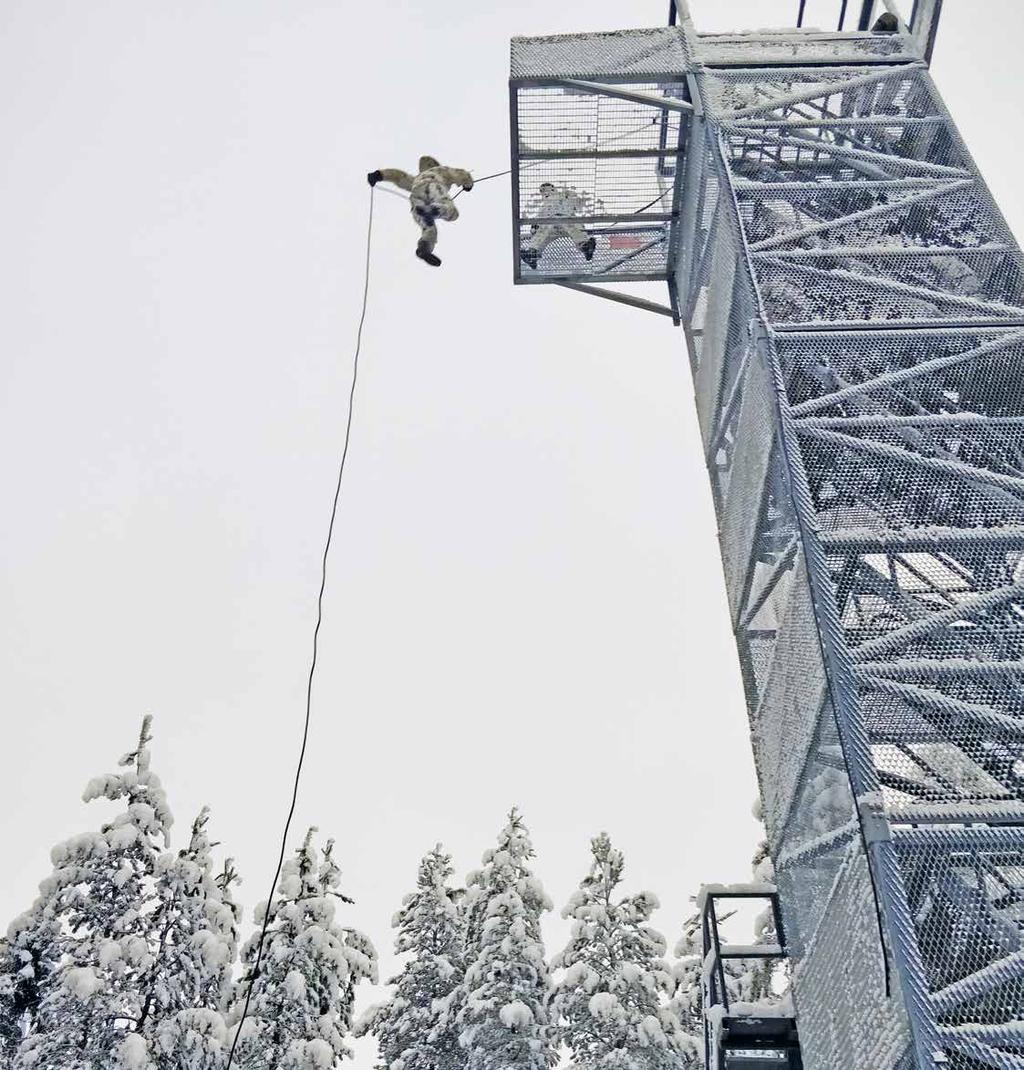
(853, 304)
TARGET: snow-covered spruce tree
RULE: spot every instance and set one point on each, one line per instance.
(411, 1028)
(688, 999)
(501, 1008)
(301, 1006)
(28, 955)
(100, 895)
(611, 999)
(189, 984)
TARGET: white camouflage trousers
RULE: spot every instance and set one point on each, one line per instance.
(429, 201)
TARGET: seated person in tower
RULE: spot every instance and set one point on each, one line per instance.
(556, 203)
(429, 198)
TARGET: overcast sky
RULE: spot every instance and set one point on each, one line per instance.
(525, 600)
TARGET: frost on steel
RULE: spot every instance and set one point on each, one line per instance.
(853, 305)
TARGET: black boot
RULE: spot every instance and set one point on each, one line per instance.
(588, 247)
(530, 257)
(424, 252)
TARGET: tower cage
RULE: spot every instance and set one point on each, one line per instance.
(853, 305)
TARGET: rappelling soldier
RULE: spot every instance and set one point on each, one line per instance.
(429, 198)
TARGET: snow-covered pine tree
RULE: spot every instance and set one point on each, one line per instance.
(611, 999)
(189, 984)
(301, 1006)
(99, 894)
(411, 1029)
(501, 1008)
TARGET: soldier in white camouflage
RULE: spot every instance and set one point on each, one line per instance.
(429, 198)
(556, 204)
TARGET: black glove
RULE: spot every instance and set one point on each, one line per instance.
(374, 177)
(466, 189)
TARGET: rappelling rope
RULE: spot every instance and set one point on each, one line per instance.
(477, 181)
(537, 163)
(316, 634)
(254, 974)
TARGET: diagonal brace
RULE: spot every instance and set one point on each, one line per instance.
(902, 375)
(621, 298)
(634, 95)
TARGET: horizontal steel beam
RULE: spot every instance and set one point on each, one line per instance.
(868, 251)
(538, 278)
(916, 325)
(974, 838)
(961, 812)
(672, 78)
(921, 182)
(594, 154)
(829, 122)
(925, 539)
(955, 668)
(925, 420)
(622, 217)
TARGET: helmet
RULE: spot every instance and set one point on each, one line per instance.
(547, 187)
(427, 162)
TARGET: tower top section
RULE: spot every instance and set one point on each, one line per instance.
(601, 123)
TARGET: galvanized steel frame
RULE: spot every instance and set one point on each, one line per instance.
(885, 837)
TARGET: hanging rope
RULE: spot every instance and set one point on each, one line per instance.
(254, 975)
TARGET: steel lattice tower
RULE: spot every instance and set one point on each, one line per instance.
(853, 303)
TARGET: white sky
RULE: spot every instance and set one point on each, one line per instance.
(525, 600)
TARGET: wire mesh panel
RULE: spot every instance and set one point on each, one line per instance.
(849, 1015)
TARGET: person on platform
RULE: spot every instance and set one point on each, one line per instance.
(557, 204)
(429, 198)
